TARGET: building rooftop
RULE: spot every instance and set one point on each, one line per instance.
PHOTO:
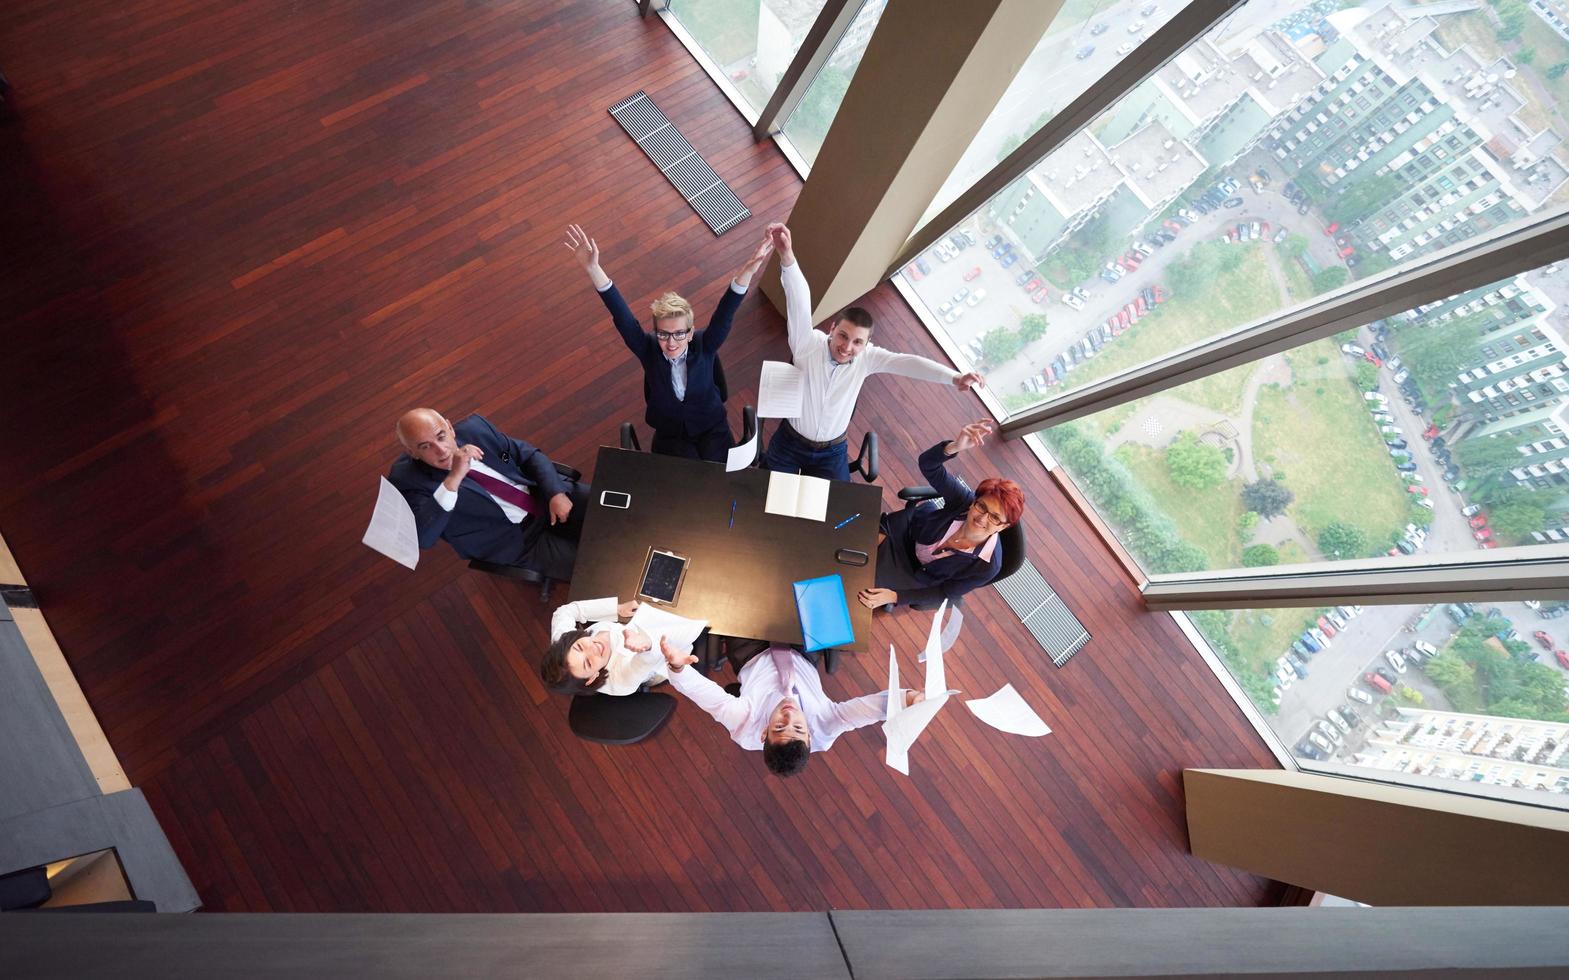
(1159, 166)
(1078, 175)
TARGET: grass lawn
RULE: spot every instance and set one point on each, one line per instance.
(1189, 316)
(727, 29)
(1263, 635)
(1318, 433)
(1206, 519)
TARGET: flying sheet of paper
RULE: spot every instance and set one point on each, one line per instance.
(780, 390)
(950, 633)
(392, 530)
(680, 631)
(740, 457)
(1007, 711)
(904, 725)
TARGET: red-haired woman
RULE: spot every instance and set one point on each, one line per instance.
(928, 552)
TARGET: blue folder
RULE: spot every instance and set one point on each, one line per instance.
(825, 616)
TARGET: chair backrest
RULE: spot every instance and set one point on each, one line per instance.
(619, 720)
(719, 379)
(1013, 552)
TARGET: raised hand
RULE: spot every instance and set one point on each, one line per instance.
(971, 436)
(462, 458)
(782, 244)
(964, 382)
(675, 659)
(636, 640)
(744, 277)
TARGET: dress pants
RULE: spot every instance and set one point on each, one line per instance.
(788, 454)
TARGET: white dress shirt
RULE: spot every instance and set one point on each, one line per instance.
(832, 388)
(762, 689)
(448, 499)
(628, 670)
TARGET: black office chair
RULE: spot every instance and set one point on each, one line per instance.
(629, 439)
(619, 721)
(865, 463)
(1013, 542)
(526, 574)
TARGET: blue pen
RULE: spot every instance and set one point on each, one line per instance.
(846, 521)
(732, 514)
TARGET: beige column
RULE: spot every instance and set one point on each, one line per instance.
(933, 72)
(1376, 843)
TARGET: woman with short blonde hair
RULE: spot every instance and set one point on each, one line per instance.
(685, 407)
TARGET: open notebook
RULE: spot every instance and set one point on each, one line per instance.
(795, 495)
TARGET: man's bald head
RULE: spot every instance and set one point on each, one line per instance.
(427, 436)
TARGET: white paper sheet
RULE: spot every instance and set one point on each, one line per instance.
(1007, 711)
(740, 457)
(950, 632)
(797, 495)
(392, 530)
(659, 623)
(904, 725)
(780, 390)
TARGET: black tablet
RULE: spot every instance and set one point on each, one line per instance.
(663, 573)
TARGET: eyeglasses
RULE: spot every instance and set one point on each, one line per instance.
(992, 519)
(672, 337)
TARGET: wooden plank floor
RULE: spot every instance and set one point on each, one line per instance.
(238, 240)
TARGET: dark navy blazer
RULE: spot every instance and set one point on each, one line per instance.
(702, 410)
(476, 526)
(956, 573)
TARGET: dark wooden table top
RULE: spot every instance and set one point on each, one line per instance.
(738, 578)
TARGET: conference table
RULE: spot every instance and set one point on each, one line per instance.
(739, 577)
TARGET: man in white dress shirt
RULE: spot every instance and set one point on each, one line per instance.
(781, 709)
(835, 366)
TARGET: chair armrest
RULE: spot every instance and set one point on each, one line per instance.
(629, 438)
(568, 472)
(866, 461)
(911, 495)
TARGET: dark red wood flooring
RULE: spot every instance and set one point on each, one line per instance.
(238, 240)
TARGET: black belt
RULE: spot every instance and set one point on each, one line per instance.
(810, 442)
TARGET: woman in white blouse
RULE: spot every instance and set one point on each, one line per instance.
(606, 658)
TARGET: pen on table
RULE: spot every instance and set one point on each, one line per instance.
(846, 521)
(732, 513)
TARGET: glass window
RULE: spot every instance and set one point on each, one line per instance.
(1085, 39)
(808, 124)
(1227, 188)
(1449, 696)
(751, 41)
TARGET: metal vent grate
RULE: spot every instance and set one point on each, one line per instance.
(1043, 613)
(689, 173)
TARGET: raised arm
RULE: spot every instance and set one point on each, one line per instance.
(719, 325)
(727, 709)
(567, 616)
(879, 360)
(933, 463)
(798, 294)
(586, 251)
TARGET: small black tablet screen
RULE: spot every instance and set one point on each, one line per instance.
(662, 577)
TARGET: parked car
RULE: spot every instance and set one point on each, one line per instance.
(975, 298)
(1357, 694)
(1471, 509)
(1483, 534)
(1308, 750)
(1479, 521)
(1396, 661)
(1073, 301)
(1329, 731)
(1322, 744)
(1563, 658)
(1386, 675)
(1311, 643)
(1406, 467)
(1350, 716)
(1040, 295)
(1319, 635)
(1428, 650)
(1352, 349)
(1378, 683)
(973, 274)
(1334, 617)
(1327, 627)
(1542, 638)
(1338, 722)
(1231, 202)
(1085, 52)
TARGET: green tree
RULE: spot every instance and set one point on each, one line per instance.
(1557, 69)
(1525, 56)
(1341, 540)
(1517, 520)
(1366, 376)
(1267, 498)
(1512, 15)
(1032, 327)
(1373, 263)
(1331, 278)
(1182, 557)
(1246, 523)
(1487, 461)
(1294, 247)
(1259, 555)
(1195, 465)
(999, 345)
(1436, 353)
